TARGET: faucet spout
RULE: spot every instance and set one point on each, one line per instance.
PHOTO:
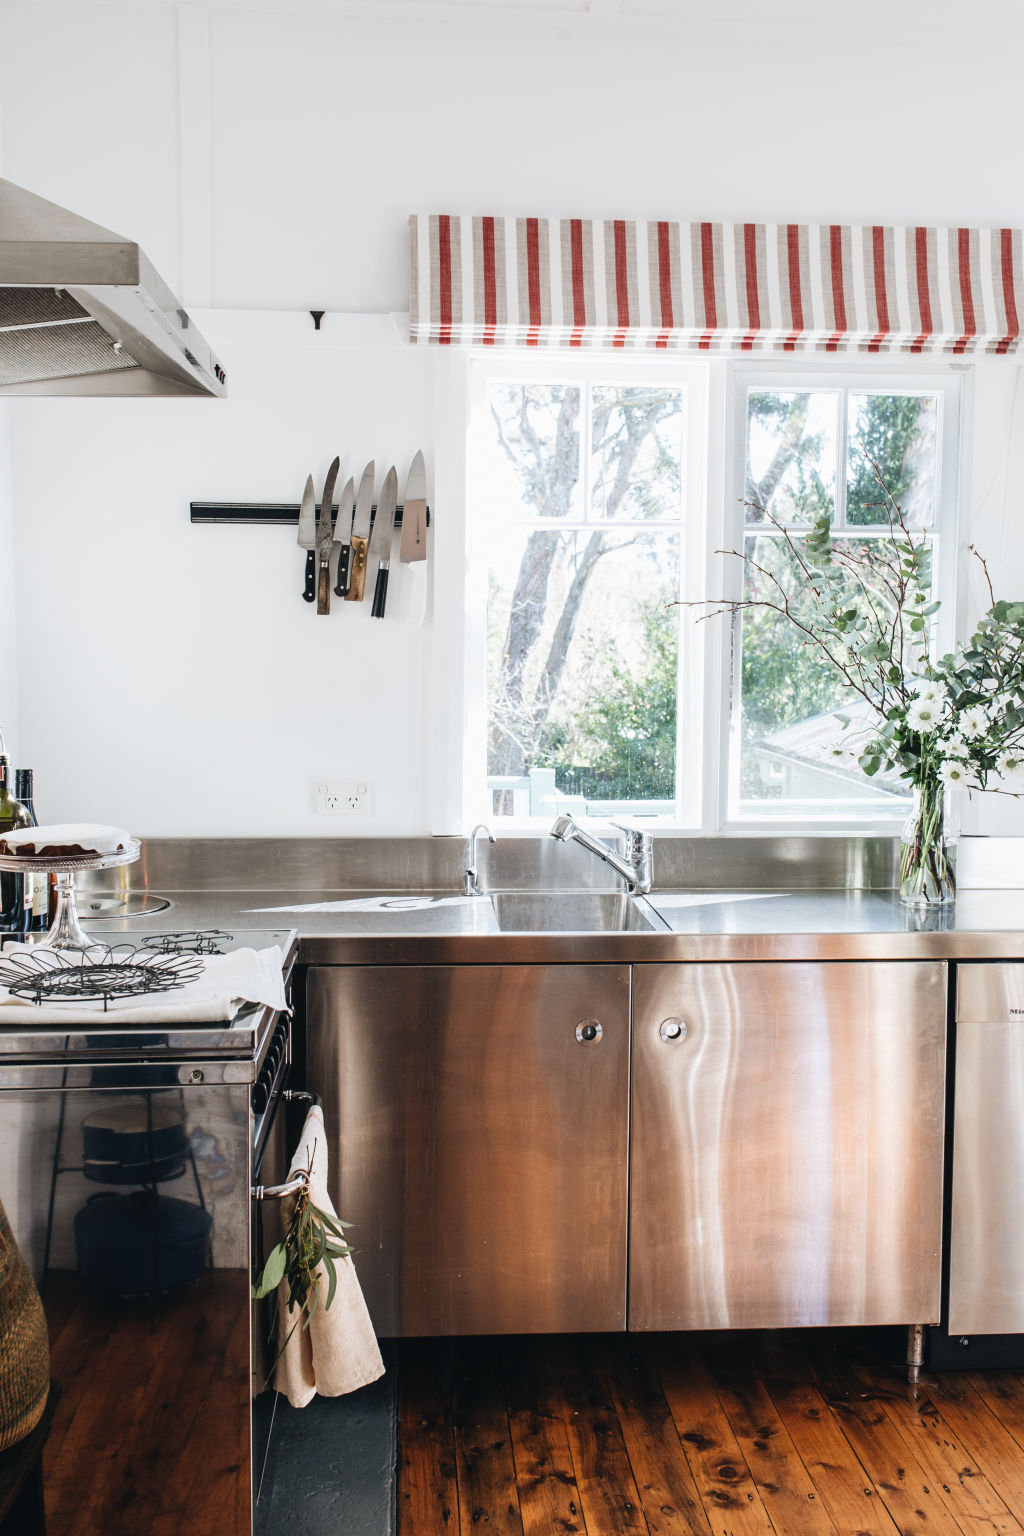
(471, 883)
(637, 866)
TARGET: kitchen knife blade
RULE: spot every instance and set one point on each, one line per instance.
(307, 537)
(324, 540)
(384, 527)
(361, 536)
(414, 514)
(342, 535)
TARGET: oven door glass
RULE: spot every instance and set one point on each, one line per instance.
(131, 1207)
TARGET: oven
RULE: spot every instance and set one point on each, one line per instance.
(128, 1160)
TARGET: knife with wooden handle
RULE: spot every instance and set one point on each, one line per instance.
(361, 536)
(307, 537)
(384, 528)
(324, 540)
(414, 514)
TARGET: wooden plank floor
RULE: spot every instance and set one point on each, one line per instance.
(795, 1434)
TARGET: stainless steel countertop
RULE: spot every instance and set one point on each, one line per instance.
(389, 928)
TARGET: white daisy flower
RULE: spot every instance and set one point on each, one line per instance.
(1010, 768)
(974, 722)
(923, 716)
(955, 746)
(925, 688)
(954, 773)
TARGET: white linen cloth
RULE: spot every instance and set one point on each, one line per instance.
(338, 1352)
(227, 982)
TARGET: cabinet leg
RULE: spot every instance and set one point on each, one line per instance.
(915, 1352)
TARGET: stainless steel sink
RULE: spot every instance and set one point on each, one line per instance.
(574, 912)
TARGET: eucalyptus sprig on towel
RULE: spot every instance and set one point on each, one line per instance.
(311, 1246)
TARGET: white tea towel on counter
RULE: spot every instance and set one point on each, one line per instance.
(338, 1352)
(226, 983)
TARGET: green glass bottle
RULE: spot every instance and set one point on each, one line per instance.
(13, 915)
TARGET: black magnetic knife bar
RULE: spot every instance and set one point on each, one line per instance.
(264, 513)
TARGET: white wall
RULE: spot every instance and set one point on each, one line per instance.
(267, 159)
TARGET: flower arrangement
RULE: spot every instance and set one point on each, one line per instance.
(955, 722)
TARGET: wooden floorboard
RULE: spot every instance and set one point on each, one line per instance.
(428, 1499)
(798, 1434)
(484, 1465)
(549, 1499)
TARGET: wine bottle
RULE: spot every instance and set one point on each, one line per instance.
(13, 917)
(37, 887)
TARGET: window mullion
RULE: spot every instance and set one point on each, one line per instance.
(843, 407)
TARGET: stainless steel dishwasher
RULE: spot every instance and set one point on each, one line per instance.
(986, 1258)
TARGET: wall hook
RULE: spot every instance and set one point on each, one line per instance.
(318, 315)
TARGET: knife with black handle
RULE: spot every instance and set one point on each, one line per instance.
(307, 537)
(384, 525)
(343, 536)
(325, 539)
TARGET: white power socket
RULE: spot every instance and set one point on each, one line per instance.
(341, 797)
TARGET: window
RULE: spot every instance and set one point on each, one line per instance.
(582, 483)
(591, 687)
(809, 450)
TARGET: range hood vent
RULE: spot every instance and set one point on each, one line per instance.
(82, 311)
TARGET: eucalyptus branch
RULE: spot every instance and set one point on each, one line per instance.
(988, 580)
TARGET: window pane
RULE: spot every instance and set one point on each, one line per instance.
(792, 748)
(530, 456)
(898, 433)
(637, 451)
(791, 454)
(582, 671)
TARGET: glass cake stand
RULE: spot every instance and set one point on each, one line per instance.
(66, 931)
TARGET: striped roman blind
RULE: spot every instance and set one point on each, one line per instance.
(800, 287)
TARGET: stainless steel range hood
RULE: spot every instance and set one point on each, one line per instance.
(82, 312)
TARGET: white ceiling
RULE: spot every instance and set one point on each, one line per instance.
(818, 16)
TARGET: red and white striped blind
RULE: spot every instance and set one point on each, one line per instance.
(800, 287)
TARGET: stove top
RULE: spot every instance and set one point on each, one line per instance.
(168, 947)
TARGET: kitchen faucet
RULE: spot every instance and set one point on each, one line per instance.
(471, 885)
(637, 868)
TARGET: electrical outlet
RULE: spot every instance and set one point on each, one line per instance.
(341, 797)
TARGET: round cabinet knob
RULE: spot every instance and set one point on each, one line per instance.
(672, 1029)
(588, 1030)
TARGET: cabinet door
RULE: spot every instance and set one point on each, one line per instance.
(479, 1147)
(787, 1144)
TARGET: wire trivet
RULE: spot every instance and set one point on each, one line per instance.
(191, 941)
(102, 973)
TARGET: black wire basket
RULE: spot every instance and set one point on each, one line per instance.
(102, 973)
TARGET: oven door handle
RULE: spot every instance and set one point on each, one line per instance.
(280, 1191)
(301, 1096)
(293, 1186)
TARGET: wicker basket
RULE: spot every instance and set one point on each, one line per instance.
(24, 1347)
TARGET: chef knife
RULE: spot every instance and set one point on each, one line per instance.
(342, 535)
(414, 514)
(307, 537)
(361, 536)
(384, 528)
(324, 540)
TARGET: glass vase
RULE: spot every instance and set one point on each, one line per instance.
(928, 845)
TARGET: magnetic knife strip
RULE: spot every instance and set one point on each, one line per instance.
(268, 513)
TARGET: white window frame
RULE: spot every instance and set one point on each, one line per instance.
(714, 488)
(885, 375)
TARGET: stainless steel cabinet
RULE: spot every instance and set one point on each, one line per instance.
(986, 1260)
(479, 1121)
(787, 1144)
